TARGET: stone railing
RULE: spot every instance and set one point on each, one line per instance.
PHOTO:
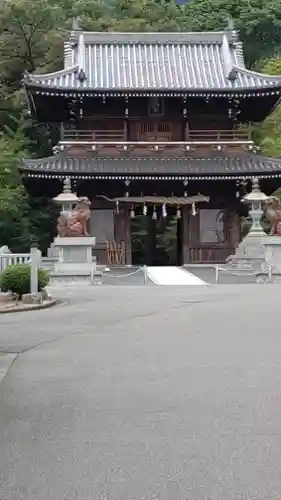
(8, 259)
(33, 258)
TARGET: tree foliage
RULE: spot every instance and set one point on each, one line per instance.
(268, 135)
(16, 279)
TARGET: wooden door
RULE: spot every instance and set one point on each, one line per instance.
(154, 131)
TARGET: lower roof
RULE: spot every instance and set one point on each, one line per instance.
(212, 167)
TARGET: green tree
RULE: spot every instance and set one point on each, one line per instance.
(42, 216)
(259, 23)
(23, 220)
(31, 37)
(268, 134)
(13, 199)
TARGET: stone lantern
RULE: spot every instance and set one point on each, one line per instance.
(250, 252)
(256, 199)
(66, 199)
(73, 252)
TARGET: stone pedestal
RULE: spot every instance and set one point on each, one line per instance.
(250, 254)
(272, 249)
(74, 255)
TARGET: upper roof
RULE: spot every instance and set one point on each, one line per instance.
(182, 62)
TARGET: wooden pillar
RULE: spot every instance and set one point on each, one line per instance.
(118, 230)
(185, 124)
(61, 131)
(126, 129)
(191, 237)
(149, 249)
(128, 237)
(179, 243)
(185, 235)
(122, 232)
(233, 232)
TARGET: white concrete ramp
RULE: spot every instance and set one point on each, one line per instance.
(170, 275)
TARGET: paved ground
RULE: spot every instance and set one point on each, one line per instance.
(226, 277)
(117, 276)
(144, 393)
(135, 276)
(126, 277)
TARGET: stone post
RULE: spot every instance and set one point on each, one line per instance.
(34, 265)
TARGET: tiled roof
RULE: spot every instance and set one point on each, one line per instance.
(153, 62)
(214, 165)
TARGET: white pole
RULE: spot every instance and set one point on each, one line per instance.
(270, 274)
(217, 273)
(145, 273)
(34, 270)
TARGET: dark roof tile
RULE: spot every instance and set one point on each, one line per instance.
(243, 164)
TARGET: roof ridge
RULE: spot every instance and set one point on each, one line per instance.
(154, 32)
(273, 78)
(60, 72)
(101, 37)
(239, 52)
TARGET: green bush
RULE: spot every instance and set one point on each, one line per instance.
(16, 279)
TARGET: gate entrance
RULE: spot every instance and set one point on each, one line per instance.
(157, 242)
(156, 227)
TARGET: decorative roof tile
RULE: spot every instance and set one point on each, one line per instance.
(214, 165)
(154, 62)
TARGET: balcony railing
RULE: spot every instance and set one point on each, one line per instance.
(219, 135)
(112, 142)
(192, 136)
(96, 136)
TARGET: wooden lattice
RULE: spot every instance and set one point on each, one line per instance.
(115, 253)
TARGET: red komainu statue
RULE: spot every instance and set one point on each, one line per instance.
(76, 223)
(273, 214)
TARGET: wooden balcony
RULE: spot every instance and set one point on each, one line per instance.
(219, 136)
(192, 136)
(113, 142)
(93, 136)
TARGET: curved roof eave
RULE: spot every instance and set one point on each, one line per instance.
(255, 74)
(198, 90)
(243, 165)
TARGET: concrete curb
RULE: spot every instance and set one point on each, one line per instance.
(31, 307)
(6, 362)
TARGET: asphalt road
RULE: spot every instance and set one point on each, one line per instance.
(144, 393)
(226, 276)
